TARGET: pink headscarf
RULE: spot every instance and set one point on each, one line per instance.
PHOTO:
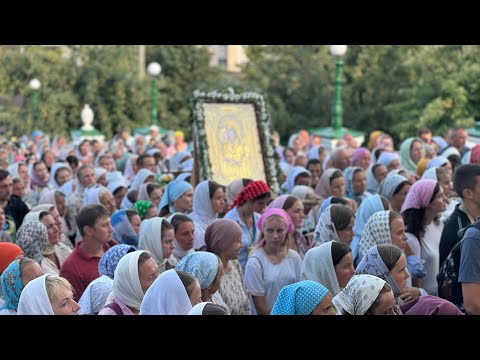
(270, 212)
(278, 202)
(419, 195)
(359, 152)
(221, 235)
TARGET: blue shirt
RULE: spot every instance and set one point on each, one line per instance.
(247, 235)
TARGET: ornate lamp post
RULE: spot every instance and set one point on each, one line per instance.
(35, 86)
(330, 135)
(338, 51)
(154, 70)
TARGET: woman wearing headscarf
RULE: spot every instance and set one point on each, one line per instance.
(15, 277)
(48, 295)
(32, 237)
(394, 188)
(365, 295)
(56, 198)
(145, 209)
(297, 176)
(390, 160)
(356, 184)
(329, 264)
(172, 293)
(156, 236)
(310, 201)
(272, 265)
(208, 308)
(126, 227)
(369, 207)
(440, 161)
(375, 175)
(131, 168)
(424, 203)
(223, 237)
(208, 201)
(411, 151)
(39, 178)
(372, 140)
(135, 273)
(183, 229)
(8, 253)
(143, 176)
(389, 263)
(208, 269)
(335, 224)
(98, 292)
(60, 174)
(304, 298)
(294, 208)
(361, 158)
(177, 197)
(246, 209)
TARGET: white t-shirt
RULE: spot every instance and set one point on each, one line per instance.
(264, 278)
(428, 250)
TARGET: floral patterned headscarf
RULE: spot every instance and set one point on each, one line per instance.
(359, 294)
(11, 284)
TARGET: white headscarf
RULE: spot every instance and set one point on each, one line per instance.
(375, 232)
(140, 178)
(166, 296)
(318, 266)
(34, 298)
(202, 214)
(92, 195)
(95, 295)
(178, 251)
(325, 229)
(56, 167)
(359, 294)
(430, 174)
(126, 281)
(198, 309)
(150, 239)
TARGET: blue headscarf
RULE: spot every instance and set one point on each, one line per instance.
(174, 190)
(437, 162)
(123, 231)
(390, 184)
(299, 298)
(369, 206)
(326, 203)
(11, 282)
(109, 261)
(289, 184)
(202, 265)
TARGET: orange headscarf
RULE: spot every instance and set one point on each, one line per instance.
(421, 165)
(8, 253)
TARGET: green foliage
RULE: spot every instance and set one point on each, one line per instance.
(389, 87)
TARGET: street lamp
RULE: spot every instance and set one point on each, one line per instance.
(154, 70)
(338, 51)
(35, 85)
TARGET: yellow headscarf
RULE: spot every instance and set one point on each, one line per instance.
(372, 140)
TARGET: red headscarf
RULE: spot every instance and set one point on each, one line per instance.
(475, 155)
(250, 192)
(8, 253)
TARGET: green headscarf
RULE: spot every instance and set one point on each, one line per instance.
(142, 207)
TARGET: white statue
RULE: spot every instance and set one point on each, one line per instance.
(87, 118)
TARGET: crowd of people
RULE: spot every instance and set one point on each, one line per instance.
(118, 228)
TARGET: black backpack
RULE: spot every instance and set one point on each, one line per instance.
(447, 279)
